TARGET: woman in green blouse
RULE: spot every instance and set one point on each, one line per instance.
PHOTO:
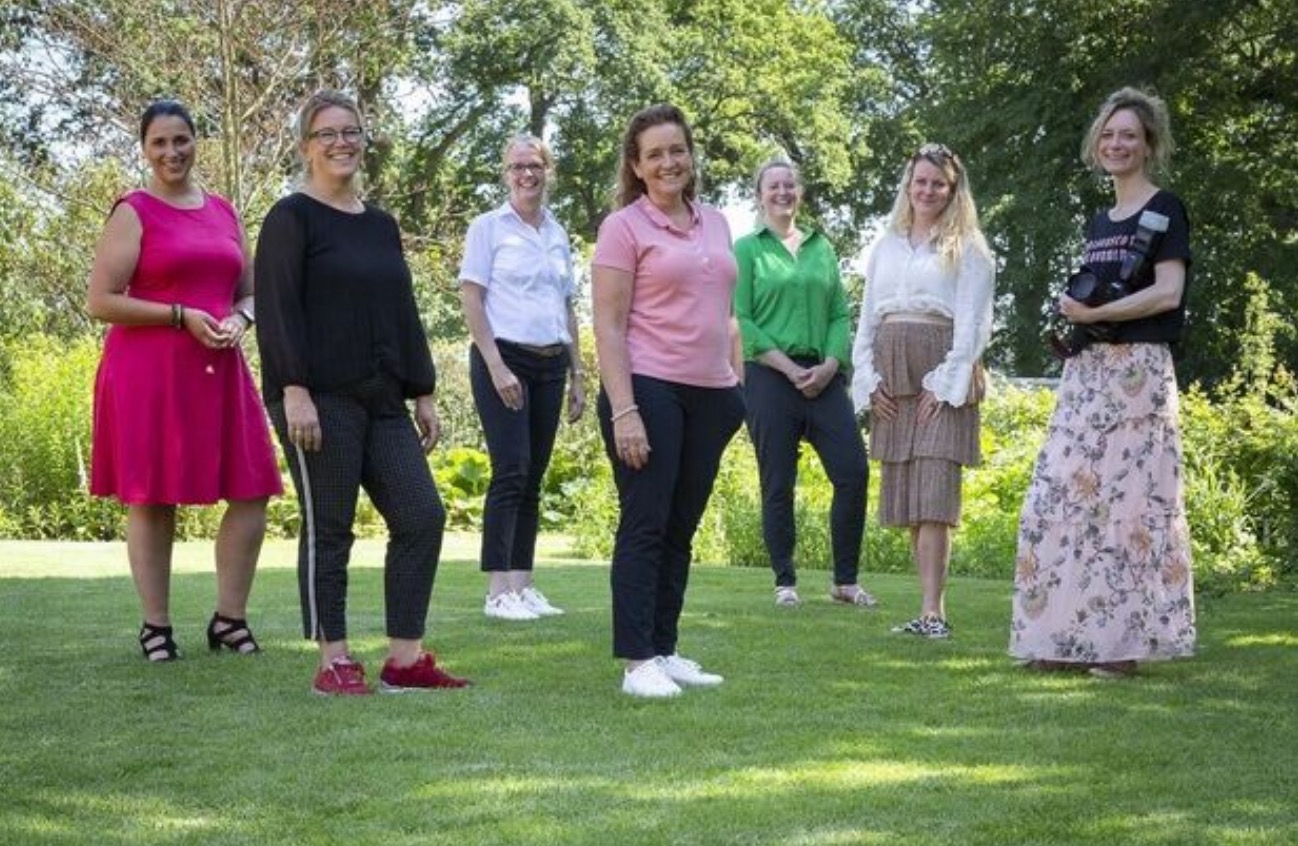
(793, 316)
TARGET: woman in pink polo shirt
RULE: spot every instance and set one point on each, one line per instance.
(663, 277)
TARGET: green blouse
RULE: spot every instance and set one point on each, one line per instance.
(795, 304)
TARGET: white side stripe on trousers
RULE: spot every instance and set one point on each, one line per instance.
(308, 518)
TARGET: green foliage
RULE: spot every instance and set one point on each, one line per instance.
(1241, 475)
(1241, 454)
(45, 400)
(462, 475)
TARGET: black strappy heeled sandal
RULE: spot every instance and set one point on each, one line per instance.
(156, 643)
(236, 636)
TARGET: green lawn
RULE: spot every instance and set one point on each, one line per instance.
(829, 730)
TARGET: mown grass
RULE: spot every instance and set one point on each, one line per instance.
(828, 730)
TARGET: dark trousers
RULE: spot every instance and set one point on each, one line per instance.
(519, 443)
(779, 418)
(661, 505)
(368, 441)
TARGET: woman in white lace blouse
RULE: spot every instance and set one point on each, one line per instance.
(925, 323)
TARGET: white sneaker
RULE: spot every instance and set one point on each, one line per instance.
(535, 601)
(649, 681)
(687, 672)
(507, 606)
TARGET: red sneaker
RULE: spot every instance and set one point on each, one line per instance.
(343, 677)
(424, 674)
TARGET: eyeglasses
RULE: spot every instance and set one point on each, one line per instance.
(526, 167)
(330, 136)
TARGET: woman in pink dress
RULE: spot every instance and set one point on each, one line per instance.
(177, 418)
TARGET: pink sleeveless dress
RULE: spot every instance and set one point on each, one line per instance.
(175, 422)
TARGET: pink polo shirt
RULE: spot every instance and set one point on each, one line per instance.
(678, 328)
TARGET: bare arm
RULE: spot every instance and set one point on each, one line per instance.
(237, 323)
(612, 302)
(1163, 295)
(736, 350)
(577, 377)
(116, 255)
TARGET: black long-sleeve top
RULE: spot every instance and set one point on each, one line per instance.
(335, 301)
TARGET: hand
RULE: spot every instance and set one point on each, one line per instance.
(234, 327)
(1074, 311)
(430, 428)
(818, 377)
(508, 388)
(929, 406)
(303, 421)
(797, 376)
(576, 399)
(205, 328)
(882, 405)
(631, 441)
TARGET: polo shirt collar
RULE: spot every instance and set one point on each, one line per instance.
(659, 218)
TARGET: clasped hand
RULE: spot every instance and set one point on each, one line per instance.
(212, 333)
(811, 381)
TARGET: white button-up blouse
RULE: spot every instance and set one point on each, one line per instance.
(527, 273)
(901, 279)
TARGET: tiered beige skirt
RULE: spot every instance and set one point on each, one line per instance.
(920, 463)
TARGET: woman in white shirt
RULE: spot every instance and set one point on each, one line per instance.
(925, 323)
(516, 287)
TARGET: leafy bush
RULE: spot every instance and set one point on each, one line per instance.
(1241, 474)
(45, 402)
(1241, 455)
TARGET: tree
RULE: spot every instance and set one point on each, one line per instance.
(1019, 82)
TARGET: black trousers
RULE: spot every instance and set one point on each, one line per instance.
(661, 506)
(779, 418)
(520, 444)
(368, 441)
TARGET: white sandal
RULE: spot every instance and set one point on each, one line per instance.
(853, 595)
(786, 596)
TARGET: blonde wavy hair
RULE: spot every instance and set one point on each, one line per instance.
(1151, 111)
(957, 228)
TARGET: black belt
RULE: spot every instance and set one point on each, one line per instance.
(546, 351)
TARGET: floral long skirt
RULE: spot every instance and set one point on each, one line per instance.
(1103, 567)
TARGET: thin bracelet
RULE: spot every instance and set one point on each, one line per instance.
(613, 418)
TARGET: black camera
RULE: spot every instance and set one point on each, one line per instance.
(1089, 290)
(1085, 287)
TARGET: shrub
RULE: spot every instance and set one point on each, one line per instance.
(1241, 475)
(45, 402)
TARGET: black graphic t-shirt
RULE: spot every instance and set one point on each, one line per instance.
(1107, 242)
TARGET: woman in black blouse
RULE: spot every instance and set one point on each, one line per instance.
(342, 351)
(1103, 577)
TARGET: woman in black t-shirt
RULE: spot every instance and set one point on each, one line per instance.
(342, 351)
(1103, 576)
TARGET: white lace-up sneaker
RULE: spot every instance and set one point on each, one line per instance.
(507, 606)
(687, 672)
(649, 681)
(535, 601)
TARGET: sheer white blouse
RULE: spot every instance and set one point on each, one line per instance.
(901, 279)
